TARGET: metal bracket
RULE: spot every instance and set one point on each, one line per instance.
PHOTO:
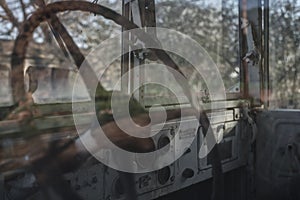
(253, 54)
(245, 115)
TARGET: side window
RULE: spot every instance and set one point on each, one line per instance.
(284, 54)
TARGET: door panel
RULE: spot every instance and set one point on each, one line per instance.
(278, 154)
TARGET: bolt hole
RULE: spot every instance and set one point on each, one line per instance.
(119, 189)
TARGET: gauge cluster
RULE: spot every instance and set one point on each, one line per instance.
(189, 169)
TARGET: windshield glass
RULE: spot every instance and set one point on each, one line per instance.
(214, 25)
(51, 64)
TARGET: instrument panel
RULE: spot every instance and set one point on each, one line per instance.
(189, 169)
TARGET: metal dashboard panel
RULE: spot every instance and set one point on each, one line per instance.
(185, 171)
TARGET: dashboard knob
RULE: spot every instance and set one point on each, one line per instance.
(188, 173)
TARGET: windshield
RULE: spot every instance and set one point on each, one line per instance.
(214, 25)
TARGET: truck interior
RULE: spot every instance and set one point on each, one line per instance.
(150, 99)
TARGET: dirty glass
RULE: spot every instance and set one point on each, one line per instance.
(214, 25)
(284, 54)
(41, 51)
(51, 64)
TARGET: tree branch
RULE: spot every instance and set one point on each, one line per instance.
(23, 9)
(54, 20)
(9, 14)
(4, 17)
